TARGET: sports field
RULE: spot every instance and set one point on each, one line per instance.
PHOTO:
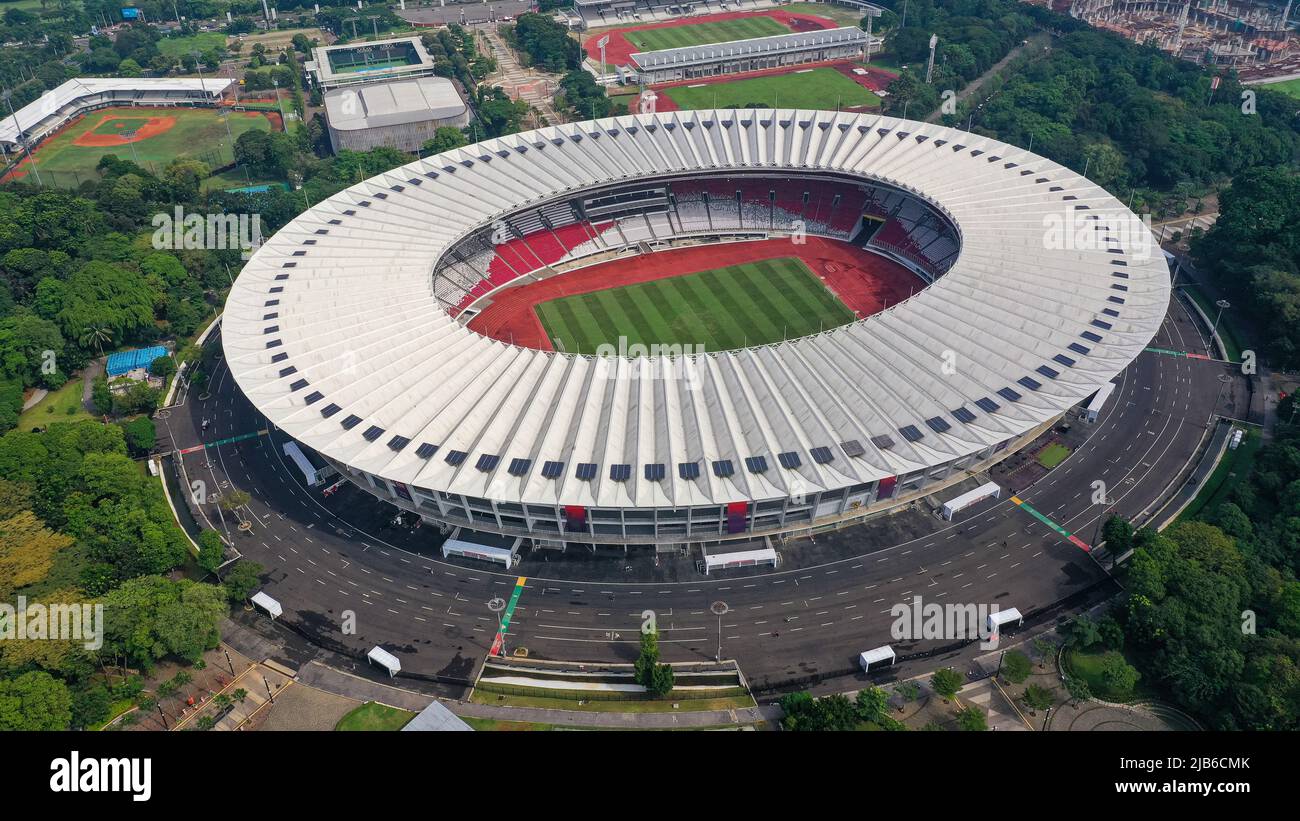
(1288, 87)
(749, 304)
(721, 31)
(152, 137)
(820, 88)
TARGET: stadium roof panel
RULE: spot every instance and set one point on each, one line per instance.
(405, 364)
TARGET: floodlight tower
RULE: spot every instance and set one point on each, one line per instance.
(929, 68)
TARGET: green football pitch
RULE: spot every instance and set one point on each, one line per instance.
(819, 88)
(749, 304)
(721, 31)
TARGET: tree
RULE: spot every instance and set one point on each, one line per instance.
(27, 551)
(34, 701)
(1045, 649)
(946, 682)
(140, 435)
(98, 335)
(241, 580)
(1120, 676)
(1078, 689)
(150, 617)
(1037, 697)
(445, 139)
(212, 551)
(1082, 631)
(1016, 667)
(101, 396)
(872, 704)
(235, 499)
(655, 677)
(972, 719)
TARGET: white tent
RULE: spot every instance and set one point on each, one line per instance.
(265, 602)
(1009, 616)
(877, 654)
(988, 490)
(740, 558)
(385, 659)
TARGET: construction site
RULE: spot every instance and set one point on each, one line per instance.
(1230, 33)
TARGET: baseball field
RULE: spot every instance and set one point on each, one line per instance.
(151, 137)
(748, 304)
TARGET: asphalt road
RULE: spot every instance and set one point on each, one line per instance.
(829, 600)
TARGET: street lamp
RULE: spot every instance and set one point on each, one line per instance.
(719, 609)
(1222, 303)
(497, 605)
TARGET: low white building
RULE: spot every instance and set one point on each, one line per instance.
(403, 114)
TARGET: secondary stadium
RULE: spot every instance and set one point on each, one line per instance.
(461, 336)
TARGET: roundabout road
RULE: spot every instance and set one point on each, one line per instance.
(829, 601)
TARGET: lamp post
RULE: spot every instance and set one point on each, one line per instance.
(719, 609)
(1222, 303)
(498, 605)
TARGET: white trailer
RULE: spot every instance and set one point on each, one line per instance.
(1098, 399)
(876, 655)
(988, 490)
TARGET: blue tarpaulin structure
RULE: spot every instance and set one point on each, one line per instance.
(123, 361)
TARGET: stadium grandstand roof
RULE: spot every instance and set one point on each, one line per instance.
(688, 55)
(394, 103)
(342, 300)
(49, 103)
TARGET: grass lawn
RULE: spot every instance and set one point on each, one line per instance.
(568, 700)
(489, 725)
(749, 304)
(197, 132)
(819, 88)
(1232, 468)
(115, 710)
(54, 407)
(1053, 455)
(201, 42)
(374, 716)
(719, 31)
(1087, 665)
(1227, 330)
(1290, 87)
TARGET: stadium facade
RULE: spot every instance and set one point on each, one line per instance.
(61, 105)
(347, 329)
(612, 12)
(755, 54)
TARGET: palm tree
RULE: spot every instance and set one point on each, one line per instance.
(97, 334)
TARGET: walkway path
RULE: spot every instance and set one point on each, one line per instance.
(1037, 42)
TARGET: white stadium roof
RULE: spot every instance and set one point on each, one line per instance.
(335, 320)
(51, 101)
(393, 103)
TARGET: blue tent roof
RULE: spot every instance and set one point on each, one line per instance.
(123, 361)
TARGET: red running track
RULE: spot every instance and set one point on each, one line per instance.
(618, 52)
(863, 281)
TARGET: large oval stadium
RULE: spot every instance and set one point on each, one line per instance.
(691, 327)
